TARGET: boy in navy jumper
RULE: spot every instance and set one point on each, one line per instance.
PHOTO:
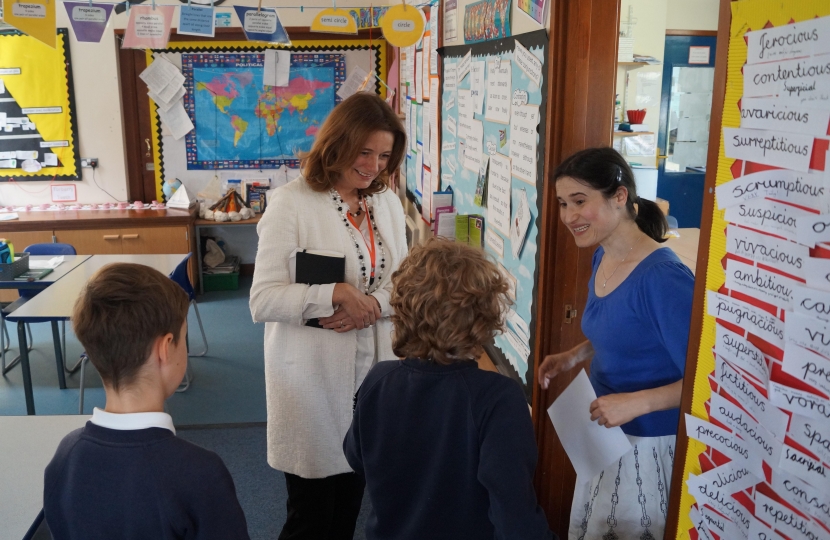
(125, 475)
(447, 450)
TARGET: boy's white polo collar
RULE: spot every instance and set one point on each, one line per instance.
(132, 421)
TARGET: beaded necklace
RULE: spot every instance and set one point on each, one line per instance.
(367, 280)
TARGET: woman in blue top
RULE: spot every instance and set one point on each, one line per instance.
(637, 324)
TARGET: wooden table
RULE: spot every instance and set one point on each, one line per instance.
(55, 303)
(686, 246)
(27, 444)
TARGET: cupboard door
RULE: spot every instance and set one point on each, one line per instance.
(154, 240)
(92, 241)
(20, 241)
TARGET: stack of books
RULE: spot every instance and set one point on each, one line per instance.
(229, 266)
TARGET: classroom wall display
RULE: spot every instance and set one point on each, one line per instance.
(242, 128)
(493, 138)
(38, 123)
(757, 451)
(486, 19)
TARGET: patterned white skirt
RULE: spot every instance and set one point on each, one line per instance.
(629, 499)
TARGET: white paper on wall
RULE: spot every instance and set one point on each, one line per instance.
(812, 302)
(750, 397)
(761, 284)
(741, 353)
(498, 193)
(523, 142)
(772, 114)
(499, 82)
(755, 320)
(805, 189)
(799, 39)
(783, 255)
(768, 216)
(776, 148)
(774, 78)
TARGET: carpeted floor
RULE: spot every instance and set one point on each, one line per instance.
(260, 489)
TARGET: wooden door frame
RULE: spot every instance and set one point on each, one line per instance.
(582, 67)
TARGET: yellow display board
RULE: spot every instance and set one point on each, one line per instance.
(37, 110)
(747, 15)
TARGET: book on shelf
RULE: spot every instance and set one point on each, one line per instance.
(228, 266)
(634, 128)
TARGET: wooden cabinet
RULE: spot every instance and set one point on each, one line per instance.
(134, 240)
(105, 232)
(91, 242)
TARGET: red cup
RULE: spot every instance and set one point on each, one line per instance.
(636, 116)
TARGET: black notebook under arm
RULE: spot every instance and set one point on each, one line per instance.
(314, 269)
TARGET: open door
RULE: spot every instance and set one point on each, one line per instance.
(685, 107)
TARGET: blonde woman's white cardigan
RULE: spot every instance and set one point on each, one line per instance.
(310, 372)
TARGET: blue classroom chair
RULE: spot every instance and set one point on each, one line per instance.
(179, 275)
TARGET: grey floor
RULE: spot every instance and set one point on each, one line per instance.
(224, 409)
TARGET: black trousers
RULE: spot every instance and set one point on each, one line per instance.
(322, 508)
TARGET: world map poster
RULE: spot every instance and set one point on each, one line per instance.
(241, 124)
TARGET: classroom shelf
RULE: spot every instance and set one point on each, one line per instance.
(632, 133)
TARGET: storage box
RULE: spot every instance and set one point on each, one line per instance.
(10, 271)
(221, 282)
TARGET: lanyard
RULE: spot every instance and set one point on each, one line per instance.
(371, 245)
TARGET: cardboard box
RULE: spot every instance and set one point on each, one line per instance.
(663, 204)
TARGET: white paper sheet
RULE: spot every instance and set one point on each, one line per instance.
(519, 224)
(465, 114)
(176, 120)
(475, 142)
(498, 194)
(354, 83)
(523, 143)
(277, 68)
(772, 114)
(499, 81)
(464, 65)
(590, 446)
(528, 63)
(788, 41)
(478, 69)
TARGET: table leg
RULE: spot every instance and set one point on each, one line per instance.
(24, 366)
(56, 338)
(198, 232)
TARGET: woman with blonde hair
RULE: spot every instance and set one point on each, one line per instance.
(447, 450)
(341, 206)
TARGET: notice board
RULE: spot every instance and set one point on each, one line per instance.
(753, 456)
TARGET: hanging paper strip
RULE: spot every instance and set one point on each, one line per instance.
(35, 18)
(88, 20)
(262, 25)
(148, 27)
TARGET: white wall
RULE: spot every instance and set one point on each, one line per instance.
(692, 14)
(98, 105)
